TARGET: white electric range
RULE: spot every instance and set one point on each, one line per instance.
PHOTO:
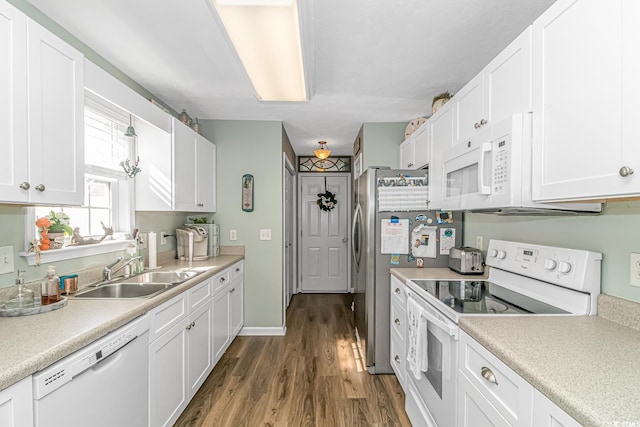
(524, 280)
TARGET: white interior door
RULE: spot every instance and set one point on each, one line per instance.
(324, 235)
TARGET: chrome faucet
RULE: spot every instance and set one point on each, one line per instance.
(107, 272)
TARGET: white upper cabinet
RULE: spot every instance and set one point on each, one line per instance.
(178, 170)
(195, 170)
(42, 114)
(441, 137)
(500, 90)
(415, 150)
(586, 86)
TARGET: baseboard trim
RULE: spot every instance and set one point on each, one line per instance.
(257, 331)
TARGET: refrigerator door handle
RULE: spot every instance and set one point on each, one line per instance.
(356, 228)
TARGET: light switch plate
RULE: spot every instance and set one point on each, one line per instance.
(144, 237)
(233, 234)
(265, 234)
(6, 260)
(479, 242)
(634, 269)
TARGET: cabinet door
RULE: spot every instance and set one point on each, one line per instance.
(474, 410)
(56, 119)
(185, 170)
(154, 184)
(14, 166)
(507, 80)
(236, 304)
(548, 414)
(200, 347)
(441, 138)
(206, 167)
(221, 324)
(168, 394)
(421, 148)
(406, 154)
(578, 144)
(468, 107)
(16, 404)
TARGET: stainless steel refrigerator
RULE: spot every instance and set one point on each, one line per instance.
(371, 268)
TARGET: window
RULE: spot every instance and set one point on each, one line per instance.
(108, 200)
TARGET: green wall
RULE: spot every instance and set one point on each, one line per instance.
(380, 143)
(252, 147)
(615, 234)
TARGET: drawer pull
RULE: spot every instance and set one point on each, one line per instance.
(488, 375)
(222, 280)
(625, 171)
(25, 186)
(40, 187)
(397, 291)
(397, 321)
(237, 269)
(232, 290)
(397, 359)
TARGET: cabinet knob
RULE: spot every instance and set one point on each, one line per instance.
(232, 290)
(625, 171)
(222, 280)
(476, 125)
(409, 165)
(40, 187)
(237, 269)
(397, 322)
(488, 375)
(483, 122)
(397, 359)
(397, 291)
(25, 185)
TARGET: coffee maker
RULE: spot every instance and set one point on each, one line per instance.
(193, 243)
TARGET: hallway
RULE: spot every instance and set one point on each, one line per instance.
(310, 377)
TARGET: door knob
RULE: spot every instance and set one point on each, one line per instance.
(344, 240)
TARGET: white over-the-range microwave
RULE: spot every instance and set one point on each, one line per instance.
(491, 172)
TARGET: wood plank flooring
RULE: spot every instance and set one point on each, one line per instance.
(310, 377)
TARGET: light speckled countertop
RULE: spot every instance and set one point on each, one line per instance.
(587, 365)
(31, 343)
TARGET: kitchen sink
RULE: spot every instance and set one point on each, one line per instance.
(145, 285)
(172, 277)
(125, 290)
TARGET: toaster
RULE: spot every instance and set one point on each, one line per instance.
(466, 260)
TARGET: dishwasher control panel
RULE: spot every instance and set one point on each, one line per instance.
(60, 373)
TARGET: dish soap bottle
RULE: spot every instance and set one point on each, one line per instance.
(22, 297)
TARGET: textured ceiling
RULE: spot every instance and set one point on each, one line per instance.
(374, 60)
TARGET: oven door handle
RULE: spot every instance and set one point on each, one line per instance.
(451, 330)
(484, 149)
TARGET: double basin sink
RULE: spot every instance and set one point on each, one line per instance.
(145, 285)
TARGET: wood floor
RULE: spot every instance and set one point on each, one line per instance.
(310, 377)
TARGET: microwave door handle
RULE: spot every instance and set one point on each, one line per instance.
(485, 148)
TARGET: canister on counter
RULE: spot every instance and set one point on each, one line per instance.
(69, 284)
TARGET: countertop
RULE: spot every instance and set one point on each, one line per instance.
(31, 343)
(586, 365)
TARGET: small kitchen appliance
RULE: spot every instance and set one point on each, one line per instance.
(466, 260)
(193, 243)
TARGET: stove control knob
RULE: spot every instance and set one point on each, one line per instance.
(550, 264)
(493, 253)
(502, 254)
(564, 267)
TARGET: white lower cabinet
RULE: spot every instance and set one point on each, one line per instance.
(491, 394)
(228, 308)
(398, 317)
(199, 340)
(16, 404)
(221, 324)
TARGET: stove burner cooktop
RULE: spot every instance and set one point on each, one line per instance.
(483, 297)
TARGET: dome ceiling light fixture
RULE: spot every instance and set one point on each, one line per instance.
(323, 152)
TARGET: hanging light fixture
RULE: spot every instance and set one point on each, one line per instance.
(323, 152)
(130, 132)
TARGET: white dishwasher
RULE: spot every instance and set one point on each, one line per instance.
(103, 384)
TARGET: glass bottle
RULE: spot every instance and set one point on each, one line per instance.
(21, 297)
(53, 285)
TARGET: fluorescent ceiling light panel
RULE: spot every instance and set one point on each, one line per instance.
(266, 36)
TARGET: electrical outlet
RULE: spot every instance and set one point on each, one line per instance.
(479, 242)
(6, 260)
(265, 234)
(144, 237)
(233, 234)
(634, 269)
(163, 238)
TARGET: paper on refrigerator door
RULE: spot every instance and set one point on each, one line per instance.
(447, 240)
(423, 241)
(394, 236)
